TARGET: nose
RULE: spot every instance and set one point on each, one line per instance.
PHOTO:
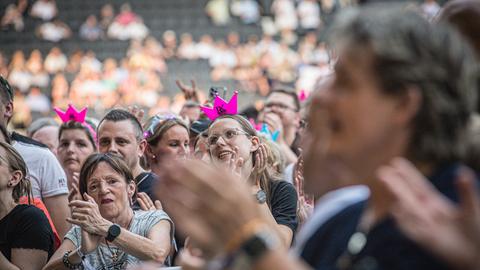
(224, 142)
(103, 189)
(113, 148)
(70, 148)
(184, 149)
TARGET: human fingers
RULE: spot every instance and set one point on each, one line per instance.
(89, 198)
(79, 203)
(142, 203)
(468, 193)
(158, 205)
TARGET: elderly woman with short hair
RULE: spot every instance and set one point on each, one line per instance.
(108, 234)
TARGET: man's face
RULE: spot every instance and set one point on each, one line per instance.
(284, 106)
(353, 127)
(119, 138)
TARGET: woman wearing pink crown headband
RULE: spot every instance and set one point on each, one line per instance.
(76, 138)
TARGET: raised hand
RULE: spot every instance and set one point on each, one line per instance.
(87, 215)
(190, 93)
(205, 203)
(449, 231)
(137, 112)
(235, 163)
(74, 193)
(146, 203)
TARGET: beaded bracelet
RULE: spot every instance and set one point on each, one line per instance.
(70, 265)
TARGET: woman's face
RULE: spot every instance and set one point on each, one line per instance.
(224, 136)
(73, 149)
(174, 143)
(110, 191)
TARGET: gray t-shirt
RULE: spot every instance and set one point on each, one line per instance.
(101, 258)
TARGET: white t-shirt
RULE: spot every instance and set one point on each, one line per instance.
(46, 175)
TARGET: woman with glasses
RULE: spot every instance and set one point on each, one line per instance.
(108, 234)
(24, 229)
(233, 142)
(167, 136)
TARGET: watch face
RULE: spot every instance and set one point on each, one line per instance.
(114, 230)
(261, 196)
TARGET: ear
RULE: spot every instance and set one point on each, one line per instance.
(148, 151)
(141, 147)
(17, 176)
(8, 111)
(131, 187)
(255, 144)
(408, 106)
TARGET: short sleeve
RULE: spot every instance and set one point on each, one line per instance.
(33, 231)
(284, 204)
(74, 235)
(52, 177)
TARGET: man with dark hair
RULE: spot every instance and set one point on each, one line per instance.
(120, 133)
(46, 175)
(402, 88)
(282, 113)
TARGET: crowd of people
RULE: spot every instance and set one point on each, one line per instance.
(377, 168)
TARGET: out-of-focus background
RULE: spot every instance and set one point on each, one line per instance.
(102, 54)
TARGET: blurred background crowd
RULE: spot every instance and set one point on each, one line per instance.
(103, 54)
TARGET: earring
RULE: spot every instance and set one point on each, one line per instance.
(154, 157)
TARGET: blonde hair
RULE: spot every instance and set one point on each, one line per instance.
(16, 163)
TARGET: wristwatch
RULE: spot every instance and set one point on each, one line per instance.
(113, 232)
(260, 196)
(253, 249)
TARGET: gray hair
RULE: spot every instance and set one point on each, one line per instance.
(409, 52)
(41, 123)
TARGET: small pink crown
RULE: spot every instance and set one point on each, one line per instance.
(302, 96)
(255, 125)
(72, 114)
(221, 107)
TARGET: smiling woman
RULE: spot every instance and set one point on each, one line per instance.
(108, 233)
(233, 142)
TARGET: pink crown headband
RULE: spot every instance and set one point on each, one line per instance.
(221, 107)
(72, 114)
(303, 95)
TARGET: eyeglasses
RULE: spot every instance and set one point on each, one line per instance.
(157, 119)
(7, 87)
(279, 106)
(227, 135)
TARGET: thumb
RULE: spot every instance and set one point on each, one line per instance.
(158, 205)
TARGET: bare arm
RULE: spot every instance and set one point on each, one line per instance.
(36, 259)
(56, 263)
(5, 264)
(156, 246)
(283, 232)
(58, 209)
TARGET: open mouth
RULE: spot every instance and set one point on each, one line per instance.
(106, 201)
(224, 155)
